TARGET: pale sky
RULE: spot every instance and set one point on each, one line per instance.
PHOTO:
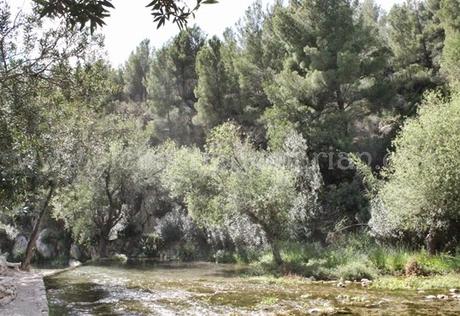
(131, 22)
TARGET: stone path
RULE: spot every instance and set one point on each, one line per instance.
(30, 295)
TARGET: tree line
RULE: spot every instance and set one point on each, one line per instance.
(210, 144)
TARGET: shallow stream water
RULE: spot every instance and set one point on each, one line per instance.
(148, 288)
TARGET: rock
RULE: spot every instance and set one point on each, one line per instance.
(20, 246)
(74, 263)
(341, 284)
(322, 311)
(46, 249)
(7, 293)
(430, 297)
(365, 282)
(342, 297)
(75, 252)
(6, 241)
(453, 291)
(442, 297)
(121, 258)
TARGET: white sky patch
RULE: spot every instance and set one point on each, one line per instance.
(130, 23)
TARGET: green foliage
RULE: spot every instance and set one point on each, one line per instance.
(421, 192)
(415, 36)
(451, 52)
(334, 66)
(217, 90)
(448, 281)
(124, 150)
(171, 83)
(135, 73)
(356, 271)
(232, 178)
(108, 190)
(94, 12)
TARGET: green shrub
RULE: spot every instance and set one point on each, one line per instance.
(223, 256)
(356, 270)
(421, 194)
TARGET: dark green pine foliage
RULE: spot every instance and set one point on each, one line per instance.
(416, 37)
(450, 19)
(333, 74)
(218, 92)
(136, 71)
(171, 84)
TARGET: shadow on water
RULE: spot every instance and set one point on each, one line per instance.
(153, 288)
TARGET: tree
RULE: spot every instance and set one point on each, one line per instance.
(333, 72)
(415, 36)
(38, 140)
(171, 84)
(450, 55)
(107, 191)
(94, 12)
(136, 72)
(420, 196)
(260, 57)
(232, 178)
(217, 91)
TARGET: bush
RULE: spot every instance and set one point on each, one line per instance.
(422, 197)
(223, 256)
(356, 270)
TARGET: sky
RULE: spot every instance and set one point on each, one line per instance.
(130, 23)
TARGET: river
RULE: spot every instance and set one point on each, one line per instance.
(148, 288)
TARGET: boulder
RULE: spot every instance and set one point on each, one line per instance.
(74, 263)
(20, 246)
(44, 245)
(75, 252)
(6, 241)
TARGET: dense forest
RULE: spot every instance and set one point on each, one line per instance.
(309, 128)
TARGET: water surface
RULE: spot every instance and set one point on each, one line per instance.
(148, 288)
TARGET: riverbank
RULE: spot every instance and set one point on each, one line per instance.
(357, 257)
(29, 297)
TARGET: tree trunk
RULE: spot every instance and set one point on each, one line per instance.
(33, 237)
(276, 253)
(431, 242)
(103, 247)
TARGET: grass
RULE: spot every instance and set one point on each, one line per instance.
(447, 281)
(356, 257)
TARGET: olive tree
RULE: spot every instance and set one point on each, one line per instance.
(231, 178)
(107, 190)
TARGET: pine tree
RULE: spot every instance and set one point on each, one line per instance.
(217, 91)
(451, 55)
(335, 66)
(416, 38)
(171, 84)
(136, 71)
